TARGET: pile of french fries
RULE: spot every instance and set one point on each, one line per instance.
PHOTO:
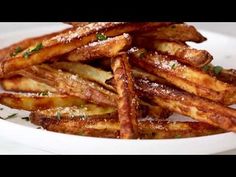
(119, 80)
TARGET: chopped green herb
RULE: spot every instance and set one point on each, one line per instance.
(26, 54)
(37, 48)
(39, 128)
(206, 68)
(44, 93)
(101, 37)
(217, 70)
(142, 53)
(58, 116)
(173, 66)
(17, 50)
(25, 118)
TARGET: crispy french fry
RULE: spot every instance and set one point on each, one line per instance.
(107, 48)
(180, 51)
(67, 42)
(40, 101)
(87, 72)
(175, 32)
(22, 45)
(127, 99)
(107, 126)
(187, 78)
(83, 112)
(187, 104)
(23, 84)
(66, 83)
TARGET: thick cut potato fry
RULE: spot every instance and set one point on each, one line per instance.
(86, 71)
(101, 49)
(66, 83)
(22, 45)
(187, 78)
(180, 51)
(67, 42)
(44, 100)
(175, 32)
(127, 98)
(82, 112)
(184, 103)
(23, 84)
(107, 126)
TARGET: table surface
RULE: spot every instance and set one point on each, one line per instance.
(10, 147)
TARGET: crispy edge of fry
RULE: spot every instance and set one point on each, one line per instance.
(5, 52)
(107, 48)
(187, 104)
(66, 42)
(67, 83)
(40, 101)
(87, 72)
(180, 51)
(176, 32)
(127, 98)
(187, 78)
(23, 84)
(107, 126)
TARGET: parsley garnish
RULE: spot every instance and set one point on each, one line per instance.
(101, 37)
(25, 118)
(206, 68)
(58, 116)
(36, 49)
(44, 93)
(173, 66)
(17, 50)
(178, 136)
(217, 70)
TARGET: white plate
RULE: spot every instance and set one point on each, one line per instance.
(221, 46)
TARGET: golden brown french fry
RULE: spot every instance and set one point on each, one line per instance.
(127, 99)
(23, 84)
(175, 32)
(67, 42)
(83, 112)
(86, 71)
(15, 48)
(180, 51)
(107, 126)
(66, 83)
(40, 101)
(107, 48)
(187, 104)
(187, 78)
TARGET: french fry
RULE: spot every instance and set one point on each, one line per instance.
(40, 101)
(82, 112)
(23, 84)
(107, 48)
(67, 42)
(66, 83)
(22, 45)
(108, 126)
(187, 104)
(187, 78)
(180, 51)
(175, 32)
(86, 71)
(127, 99)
